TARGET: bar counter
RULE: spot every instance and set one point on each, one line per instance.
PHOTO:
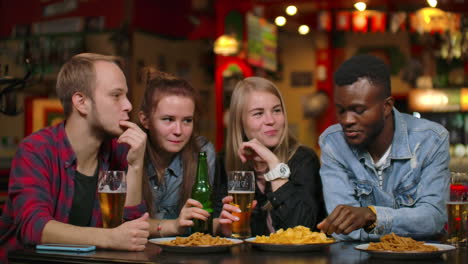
(342, 253)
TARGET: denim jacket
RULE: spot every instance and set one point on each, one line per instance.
(411, 200)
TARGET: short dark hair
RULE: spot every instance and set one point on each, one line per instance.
(365, 66)
(79, 75)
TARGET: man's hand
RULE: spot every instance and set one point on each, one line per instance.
(136, 139)
(345, 219)
(132, 235)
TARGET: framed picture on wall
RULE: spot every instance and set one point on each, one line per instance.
(41, 112)
(301, 78)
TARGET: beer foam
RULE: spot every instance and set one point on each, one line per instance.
(239, 192)
(106, 189)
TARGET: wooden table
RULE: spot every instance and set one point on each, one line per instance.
(342, 253)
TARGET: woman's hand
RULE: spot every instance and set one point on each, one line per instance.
(261, 155)
(264, 160)
(226, 218)
(192, 209)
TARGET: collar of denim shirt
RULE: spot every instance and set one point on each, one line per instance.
(400, 145)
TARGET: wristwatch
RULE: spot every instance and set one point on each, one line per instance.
(281, 171)
(373, 225)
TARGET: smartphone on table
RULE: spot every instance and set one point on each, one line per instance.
(66, 247)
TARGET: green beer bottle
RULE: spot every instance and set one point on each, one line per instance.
(201, 191)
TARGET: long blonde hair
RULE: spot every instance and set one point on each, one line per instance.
(235, 131)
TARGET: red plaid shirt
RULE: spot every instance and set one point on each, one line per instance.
(41, 187)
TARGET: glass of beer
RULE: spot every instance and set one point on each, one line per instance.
(112, 188)
(241, 186)
(457, 210)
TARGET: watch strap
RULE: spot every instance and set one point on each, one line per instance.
(281, 171)
(370, 227)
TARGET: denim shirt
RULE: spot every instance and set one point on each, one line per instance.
(411, 200)
(166, 196)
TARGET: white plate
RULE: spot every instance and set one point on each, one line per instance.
(192, 249)
(407, 254)
(287, 247)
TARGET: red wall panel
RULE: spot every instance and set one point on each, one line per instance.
(165, 17)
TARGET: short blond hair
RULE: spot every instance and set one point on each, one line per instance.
(287, 145)
(79, 75)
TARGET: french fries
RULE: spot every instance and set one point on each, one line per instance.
(393, 242)
(199, 239)
(296, 235)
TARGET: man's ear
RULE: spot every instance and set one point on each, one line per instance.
(388, 105)
(143, 119)
(79, 101)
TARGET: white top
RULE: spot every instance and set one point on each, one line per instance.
(379, 165)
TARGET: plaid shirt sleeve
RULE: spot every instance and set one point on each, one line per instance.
(30, 190)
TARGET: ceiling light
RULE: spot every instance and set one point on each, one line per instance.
(226, 45)
(432, 3)
(360, 6)
(291, 10)
(280, 21)
(303, 29)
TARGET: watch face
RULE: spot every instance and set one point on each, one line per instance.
(283, 169)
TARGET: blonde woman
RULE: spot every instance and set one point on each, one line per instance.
(288, 187)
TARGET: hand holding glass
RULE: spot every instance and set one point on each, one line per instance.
(112, 188)
(241, 186)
